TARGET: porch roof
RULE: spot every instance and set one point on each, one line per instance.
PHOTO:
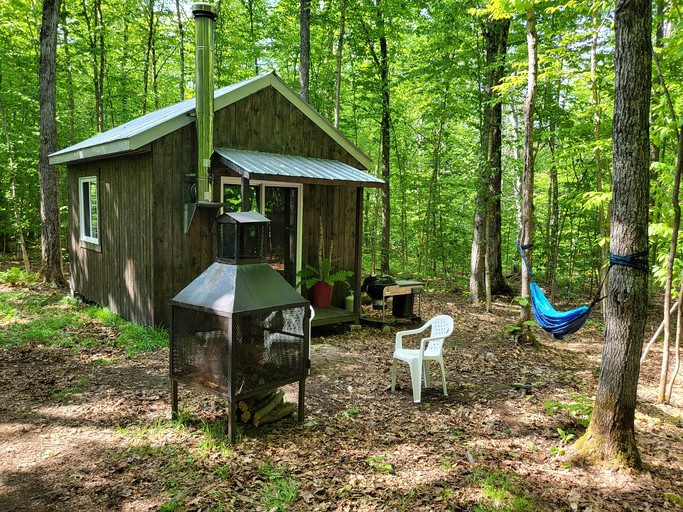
(299, 169)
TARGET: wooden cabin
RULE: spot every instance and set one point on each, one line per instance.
(137, 235)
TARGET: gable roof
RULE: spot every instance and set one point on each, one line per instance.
(136, 134)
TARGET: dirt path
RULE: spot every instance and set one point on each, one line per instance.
(89, 429)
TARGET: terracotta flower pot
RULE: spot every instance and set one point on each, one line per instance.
(322, 294)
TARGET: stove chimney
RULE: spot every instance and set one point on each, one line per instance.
(204, 14)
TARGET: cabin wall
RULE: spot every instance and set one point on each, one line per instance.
(267, 121)
(147, 258)
(117, 274)
(336, 206)
(179, 257)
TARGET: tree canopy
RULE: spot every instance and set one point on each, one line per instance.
(118, 60)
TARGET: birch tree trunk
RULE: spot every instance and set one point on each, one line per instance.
(610, 436)
(527, 235)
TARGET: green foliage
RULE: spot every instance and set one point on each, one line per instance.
(29, 316)
(579, 410)
(309, 275)
(500, 491)
(437, 65)
(17, 277)
(278, 490)
(379, 463)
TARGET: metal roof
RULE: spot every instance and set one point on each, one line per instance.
(253, 164)
(134, 135)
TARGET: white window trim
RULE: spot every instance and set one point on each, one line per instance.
(229, 180)
(81, 209)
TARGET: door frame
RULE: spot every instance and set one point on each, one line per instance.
(262, 184)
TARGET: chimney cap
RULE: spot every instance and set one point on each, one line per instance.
(204, 9)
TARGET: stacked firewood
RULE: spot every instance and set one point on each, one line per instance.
(259, 410)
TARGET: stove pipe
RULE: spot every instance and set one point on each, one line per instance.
(205, 15)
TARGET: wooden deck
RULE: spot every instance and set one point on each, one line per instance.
(332, 315)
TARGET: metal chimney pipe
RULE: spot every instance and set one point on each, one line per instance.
(204, 15)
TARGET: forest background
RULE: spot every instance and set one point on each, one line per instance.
(422, 62)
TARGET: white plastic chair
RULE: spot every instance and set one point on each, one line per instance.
(431, 349)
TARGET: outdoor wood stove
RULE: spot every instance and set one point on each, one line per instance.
(239, 329)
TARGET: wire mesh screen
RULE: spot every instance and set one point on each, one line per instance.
(240, 241)
(263, 350)
(199, 348)
(268, 349)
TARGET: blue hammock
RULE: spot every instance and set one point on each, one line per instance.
(557, 323)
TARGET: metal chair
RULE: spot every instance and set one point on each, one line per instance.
(431, 349)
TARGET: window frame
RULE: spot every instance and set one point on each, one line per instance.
(87, 238)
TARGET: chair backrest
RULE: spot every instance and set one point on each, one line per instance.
(441, 328)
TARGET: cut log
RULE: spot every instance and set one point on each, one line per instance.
(274, 402)
(252, 401)
(263, 401)
(245, 416)
(279, 412)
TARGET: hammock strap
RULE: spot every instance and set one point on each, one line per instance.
(523, 248)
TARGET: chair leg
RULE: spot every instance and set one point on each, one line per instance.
(393, 375)
(416, 377)
(443, 377)
(425, 370)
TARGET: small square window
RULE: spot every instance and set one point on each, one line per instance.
(89, 212)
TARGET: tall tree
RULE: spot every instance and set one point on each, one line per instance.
(95, 23)
(382, 62)
(181, 49)
(486, 242)
(527, 228)
(611, 435)
(51, 247)
(304, 48)
(338, 72)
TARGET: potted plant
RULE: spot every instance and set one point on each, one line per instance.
(321, 279)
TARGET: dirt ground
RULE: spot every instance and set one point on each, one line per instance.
(109, 444)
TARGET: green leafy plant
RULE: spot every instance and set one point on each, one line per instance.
(379, 464)
(278, 490)
(566, 438)
(309, 275)
(580, 410)
(17, 277)
(354, 409)
(500, 491)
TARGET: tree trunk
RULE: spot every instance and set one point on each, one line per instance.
(51, 247)
(12, 168)
(148, 55)
(94, 22)
(611, 434)
(595, 94)
(340, 46)
(181, 37)
(382, 62)
(486, 240)
(527, 235)
(304, 48)
(662, 395)
(70, 101)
